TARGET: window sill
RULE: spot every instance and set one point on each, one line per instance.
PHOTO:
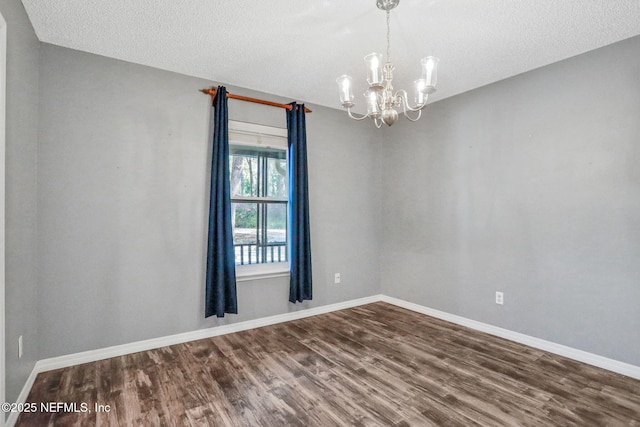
(261, 271)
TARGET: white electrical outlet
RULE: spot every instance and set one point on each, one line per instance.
(499, 298)
(337, 278)
(20, 347)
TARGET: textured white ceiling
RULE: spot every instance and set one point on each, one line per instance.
(297, 48)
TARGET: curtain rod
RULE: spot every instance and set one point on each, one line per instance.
(212, 91)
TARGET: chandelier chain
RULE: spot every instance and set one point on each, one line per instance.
(388, 37)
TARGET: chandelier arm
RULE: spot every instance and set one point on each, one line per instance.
(402, 94)
(377, 122)
(356, 117)
(411, 118)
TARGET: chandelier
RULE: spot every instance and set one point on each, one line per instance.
(381, 100)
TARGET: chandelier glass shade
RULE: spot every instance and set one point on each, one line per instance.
(382, 102)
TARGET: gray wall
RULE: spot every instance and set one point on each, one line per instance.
(122, 201)
(21, 290)
(530, 186)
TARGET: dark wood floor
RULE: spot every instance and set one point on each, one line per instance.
(367, 366)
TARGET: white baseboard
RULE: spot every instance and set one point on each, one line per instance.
(120, 350)
(562, 350)
(134, 347)
(22, 397)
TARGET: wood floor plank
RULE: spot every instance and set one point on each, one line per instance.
(372, 365)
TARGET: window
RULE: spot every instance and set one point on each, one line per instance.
(259, 199)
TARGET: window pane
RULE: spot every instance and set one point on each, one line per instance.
(277, 178)
(276, 222)
(245, 232)
(276, 232)
(245, 222)
(259, 232)
(244, 175)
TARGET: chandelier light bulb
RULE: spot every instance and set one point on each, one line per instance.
(373, 107)
(430, 72)
(346, 94)
(421, 91)
(374, 69)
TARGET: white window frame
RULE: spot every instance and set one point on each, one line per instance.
(254, 135)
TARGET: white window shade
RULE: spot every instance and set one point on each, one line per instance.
(241, 133)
